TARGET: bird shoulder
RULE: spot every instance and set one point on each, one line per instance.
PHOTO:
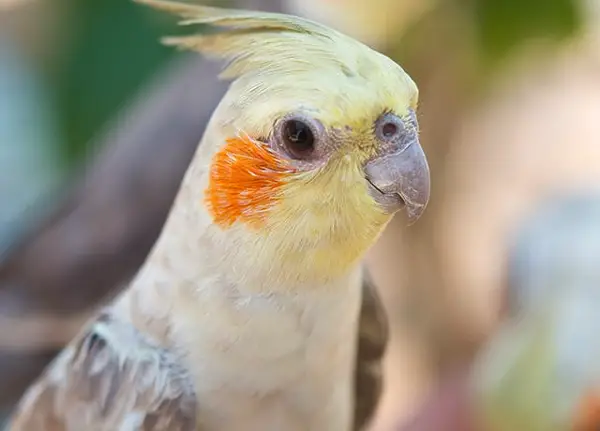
(111, 377)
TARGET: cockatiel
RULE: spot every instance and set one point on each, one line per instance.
(245, 315)
(541, 372)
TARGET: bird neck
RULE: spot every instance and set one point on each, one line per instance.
(194, 257)
(295, 345)
(231, 305)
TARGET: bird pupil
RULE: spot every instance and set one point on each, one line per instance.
(298, 132)
(299, 136)
(389, 129)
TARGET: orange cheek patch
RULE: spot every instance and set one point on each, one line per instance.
(244, 182)
(587, 416)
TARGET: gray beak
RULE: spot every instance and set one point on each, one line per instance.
(400, 180)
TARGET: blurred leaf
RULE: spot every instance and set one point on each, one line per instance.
(114, 47)
(502, 25)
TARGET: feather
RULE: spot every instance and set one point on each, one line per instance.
(110, 378)
(238, 19)
(257, 41)
(284, 302)
(373, 335)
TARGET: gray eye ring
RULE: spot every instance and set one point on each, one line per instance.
(389, 128)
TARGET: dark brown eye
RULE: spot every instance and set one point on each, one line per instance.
(389, 130)
(298, 138)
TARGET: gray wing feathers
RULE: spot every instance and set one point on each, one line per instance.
(373, 335)
(110, 379)
(113, 379)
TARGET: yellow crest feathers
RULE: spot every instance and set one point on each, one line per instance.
(253, 41)
(236, 18)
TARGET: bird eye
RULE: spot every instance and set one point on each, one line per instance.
(298, 138)
(390, 127)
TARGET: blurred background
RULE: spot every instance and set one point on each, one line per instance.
(509, 110)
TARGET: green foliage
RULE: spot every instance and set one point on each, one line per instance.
(502, 25)
(113, 49)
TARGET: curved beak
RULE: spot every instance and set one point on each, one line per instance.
(401, 179)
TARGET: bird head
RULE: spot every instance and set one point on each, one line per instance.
(313, 148)
(541, 371)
